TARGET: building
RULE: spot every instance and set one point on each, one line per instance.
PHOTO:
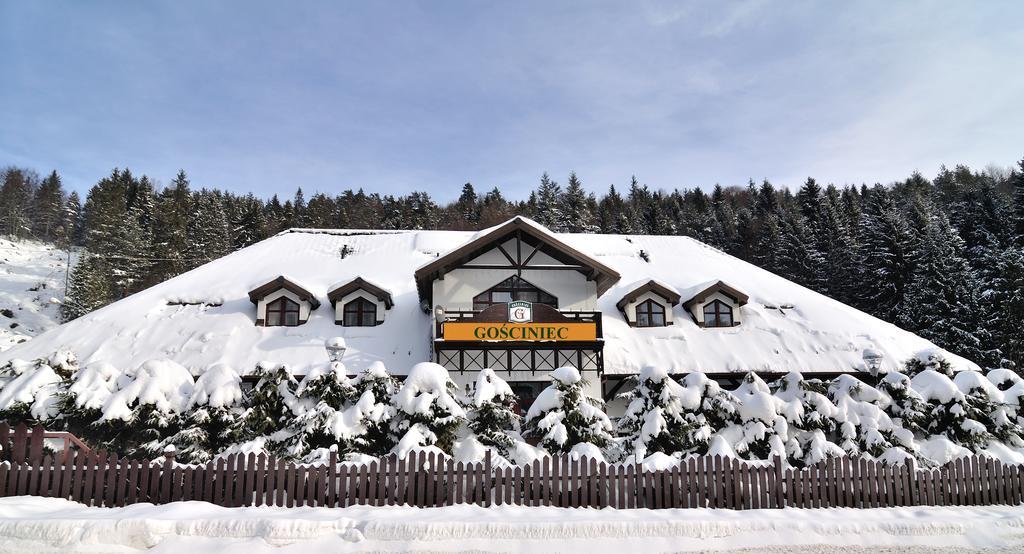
(515, 297)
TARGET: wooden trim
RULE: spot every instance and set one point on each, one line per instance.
(737, 295)
(518, 228)
(266, 289)
(670, 296)
(341, 291)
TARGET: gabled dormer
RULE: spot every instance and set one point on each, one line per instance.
(282, 303)
(648, 304)
(715, 304)
(359, 303)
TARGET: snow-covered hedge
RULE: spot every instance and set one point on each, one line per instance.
(926, 412)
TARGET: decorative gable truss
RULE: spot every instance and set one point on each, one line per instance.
(716, 304)
(282, 302)
(359, 303)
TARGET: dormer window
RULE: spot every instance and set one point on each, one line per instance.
(282, 312)
(648, 304)
(282, 303)
(359, 303)
(513, 288)
(715, 304)
(650, 314)
(717, 314)
(360, 313)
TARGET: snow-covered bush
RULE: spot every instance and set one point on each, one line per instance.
(28, 391)
(212, 421)
(906, 407)
(324, 395)
(426, 410)
(491, 413)
(1012, 387)
(761, 430)
(986, 404)
(865, 428)
(662, 416)
(271, 404)
(952, 413)
(375, 388)
(151, 404)
(811, 418)
(563, 417)
(928, 359)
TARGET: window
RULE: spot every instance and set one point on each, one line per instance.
(360, 313)
(511, 289)
(282, 312)
(717, 314)
(650, 314)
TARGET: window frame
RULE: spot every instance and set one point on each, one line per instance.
(718, 311)
(363, 307)
(282, 307)
(513, 286)
(647, 308)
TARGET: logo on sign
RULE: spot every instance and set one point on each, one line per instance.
(520, 311)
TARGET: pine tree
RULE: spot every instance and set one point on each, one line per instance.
(208, 237)
(548, 210)
(865, 428)
(48, 207)
(491, 413)
(211, 423)
(15, 202)
(74, 222)
(906, 407)
(942, 302)
(951, 413)
(427, 412)
(811, 418)
(88, 289)
(662, 416)
(886, 257)
(468, 206)
(1007, 299)
(576, 208)
(1017, 184)
(563, 417)
(375, 388)
(270, 403)
(171, 229)
(761, 430)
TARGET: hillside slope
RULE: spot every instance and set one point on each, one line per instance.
(31, 289)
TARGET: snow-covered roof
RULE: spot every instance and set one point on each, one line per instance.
(637, 288)
(339, 290)
(812, 334)
(697, 293)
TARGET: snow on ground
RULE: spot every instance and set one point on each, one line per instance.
(31, 289)
(31, 524)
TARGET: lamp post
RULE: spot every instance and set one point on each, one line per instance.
(335, 348)
(873, 361)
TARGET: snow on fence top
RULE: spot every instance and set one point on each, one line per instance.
(812, 334)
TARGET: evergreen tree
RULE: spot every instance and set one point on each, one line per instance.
(325, 397)
(886, 257)
(811, 418)
(468, 206)
(563, 417)
(270, 402)
(15, 202)
(376, 387)
(211, 423)
(427, 412)
(548, 210)
(171, 229)
(761, 430)
(48, 208)
(576, 207)
(491, 413)
(1007, 300)
(208, 237)
(663, 417)
(906, 407)
(88, 289)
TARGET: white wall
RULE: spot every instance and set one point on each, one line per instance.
(630, 308)
(339, 306)
(698, 309)
(261, 306)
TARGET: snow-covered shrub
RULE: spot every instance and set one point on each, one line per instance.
(270, 404)
(562, 416)
(426, 410)
(491, 413)
(906, 407)
(151, 404)
(987, 405)
(375, 388)
(324, 395)
(811, 418)
(81, 405)
(952, 413)
(865, 428)
(29, 391)
(928, 359)
(761, 430)
(212, 421)
(1012, 387)
(662, 417)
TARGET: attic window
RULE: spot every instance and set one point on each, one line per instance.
(650, 314)
(718, 314)
(282, 312)
(360, 313)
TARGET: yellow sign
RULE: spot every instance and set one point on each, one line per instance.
(520, 331)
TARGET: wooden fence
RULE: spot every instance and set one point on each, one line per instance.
(424, 479)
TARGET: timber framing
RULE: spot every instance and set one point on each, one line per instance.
(529, 240)
(340, 291)
(281, 282)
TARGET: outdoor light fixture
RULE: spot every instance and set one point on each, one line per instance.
(335, 348)
(873, 361)
(439, 314)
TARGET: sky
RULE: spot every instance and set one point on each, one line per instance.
(399, 96)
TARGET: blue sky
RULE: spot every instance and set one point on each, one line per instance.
(398, 96)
